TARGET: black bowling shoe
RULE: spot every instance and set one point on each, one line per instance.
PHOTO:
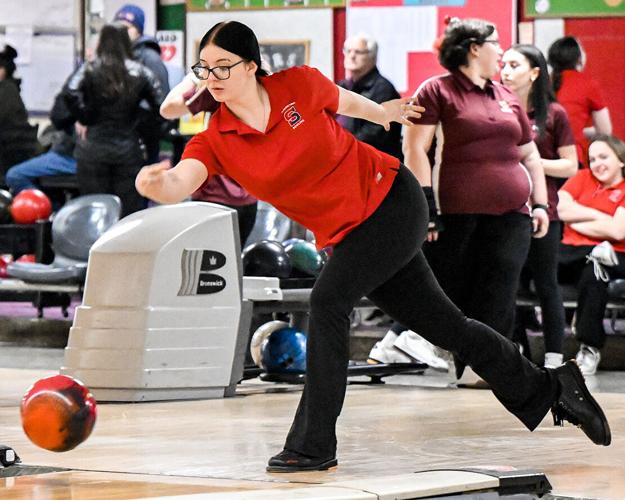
(291, 461)
(576, 404)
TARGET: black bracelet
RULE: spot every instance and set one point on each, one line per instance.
(540, 205)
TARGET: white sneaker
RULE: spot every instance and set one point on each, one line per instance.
(384, 351)
(415, 346)
(588, 359)
(553, 359)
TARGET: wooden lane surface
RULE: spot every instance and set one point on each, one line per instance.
(384, 430)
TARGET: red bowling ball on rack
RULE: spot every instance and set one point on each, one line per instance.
(29, 206)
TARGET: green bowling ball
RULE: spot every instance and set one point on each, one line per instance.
(305, 260)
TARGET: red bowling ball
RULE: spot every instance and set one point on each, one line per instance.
(58, 413)
(29, 206)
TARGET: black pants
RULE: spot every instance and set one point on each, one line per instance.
(592, 293)
(542, 267)
(381, 259)
(247, 217)
(113, 178)
(478, 260)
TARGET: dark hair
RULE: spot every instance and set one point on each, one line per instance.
(237, 38)
(564, 53)
(7, 60)
(113, 50)
(457, 40)
(540, 93)
(613, 142)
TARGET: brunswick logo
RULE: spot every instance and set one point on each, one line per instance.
(210, 283)
(196, 278)
(292, 116)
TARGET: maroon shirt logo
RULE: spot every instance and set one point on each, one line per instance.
(505, 107)
(292, 116)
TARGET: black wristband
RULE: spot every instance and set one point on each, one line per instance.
(429, 196)
(540, 205)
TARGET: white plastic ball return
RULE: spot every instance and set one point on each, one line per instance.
(166, 312)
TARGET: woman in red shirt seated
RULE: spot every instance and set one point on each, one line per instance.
(592, 205)
(278, 138)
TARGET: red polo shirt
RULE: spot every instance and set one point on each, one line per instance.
(479, 170)
(588, 191)
(305, 164)
(580, 96)
(557, 134)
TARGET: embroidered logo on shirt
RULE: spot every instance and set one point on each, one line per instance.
(505, 107)
(292, 116)
(615, 196)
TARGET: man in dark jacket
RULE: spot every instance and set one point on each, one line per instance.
(363, 77)
(18, 139)
(147, 51)
(59, 160)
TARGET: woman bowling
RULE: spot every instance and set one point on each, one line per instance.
(277, 137)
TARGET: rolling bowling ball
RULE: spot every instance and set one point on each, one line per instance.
(58, 413)
(29, 206)
(266, 258)
(304, 257)
(6, 198)
(284, 351)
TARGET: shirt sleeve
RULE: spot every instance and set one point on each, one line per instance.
(562, 133)
(320, 91)
(575, 185)
(428, 96)
(198, 148)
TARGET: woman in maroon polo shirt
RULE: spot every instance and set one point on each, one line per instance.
(578, 93)
(478, 183)
(592, 206)
(278, 138)
(525, 72)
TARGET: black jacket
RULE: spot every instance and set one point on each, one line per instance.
(18, 139)
(147, 51)
(377, 88)
(111, 122)
(63, 140)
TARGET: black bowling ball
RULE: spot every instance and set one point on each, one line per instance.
(6, 198)
(266, 258)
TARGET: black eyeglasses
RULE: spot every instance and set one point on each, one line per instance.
(220, 72)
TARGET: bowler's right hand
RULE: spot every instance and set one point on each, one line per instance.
(151, 179)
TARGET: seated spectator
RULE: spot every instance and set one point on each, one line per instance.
(59, 160)
(18, 139)
(592, 206)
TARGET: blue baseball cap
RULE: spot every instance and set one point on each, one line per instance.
(132, 14)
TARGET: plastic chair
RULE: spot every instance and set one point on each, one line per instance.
(75, 228)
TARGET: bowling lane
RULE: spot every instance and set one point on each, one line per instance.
(387, 430)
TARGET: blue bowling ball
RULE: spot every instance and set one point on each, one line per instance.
(284, 352)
